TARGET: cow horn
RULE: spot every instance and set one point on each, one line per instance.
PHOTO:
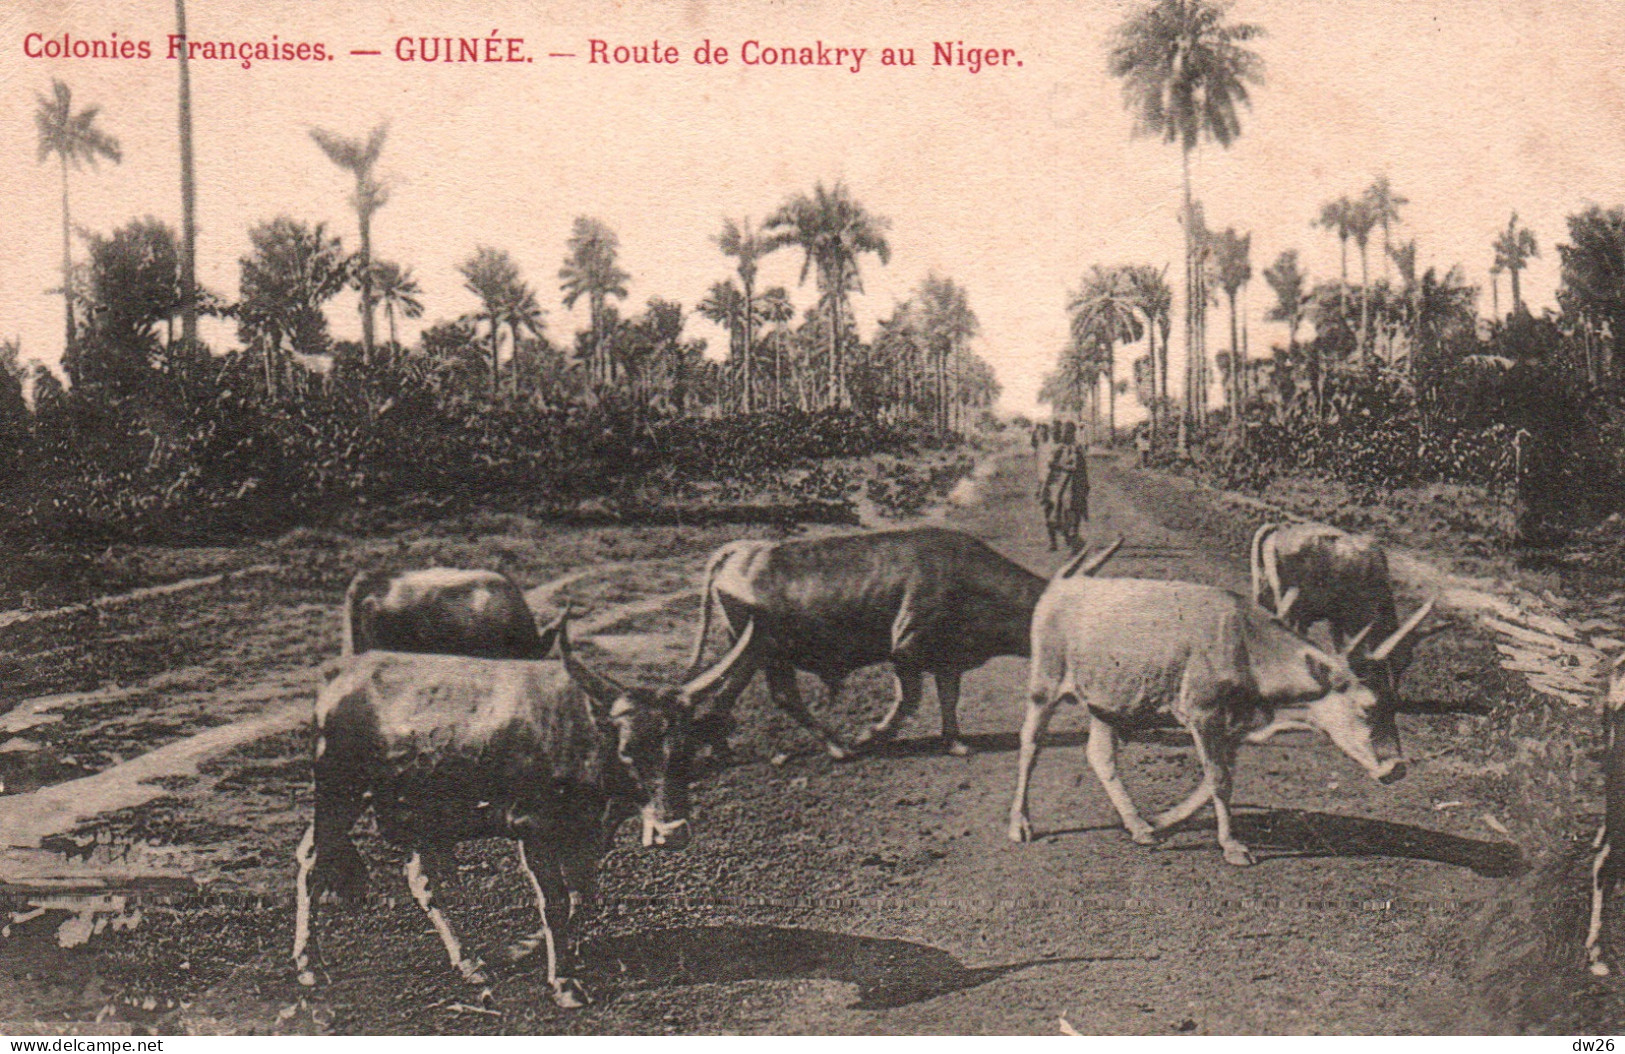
(601, 688)
(1285, 605)
(1348, 649)
(1088, 564)
(1381, 651)
(728, 677)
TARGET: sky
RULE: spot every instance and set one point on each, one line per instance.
(1013, 180)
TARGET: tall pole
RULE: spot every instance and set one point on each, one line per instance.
(188, 192)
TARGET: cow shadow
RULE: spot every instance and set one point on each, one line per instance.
(888, 973)
(1305, 834)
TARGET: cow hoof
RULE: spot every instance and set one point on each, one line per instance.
(778, 760)
(568, 995)
(1599, 969)
(308, 979)
(838, 752)
(522, 950)
(488, 998)
(1021, 830)
(959, 748)
(1239, 855)
(1147, 836)
(474, 972)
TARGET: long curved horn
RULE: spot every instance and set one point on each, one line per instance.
(1381, 651)
(1348, 649)
(1087, 563)
(723, 682)
(602, 689)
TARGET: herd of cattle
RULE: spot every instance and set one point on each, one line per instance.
(451, 717)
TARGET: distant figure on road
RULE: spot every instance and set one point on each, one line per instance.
(1041, 440)
(1065, 489)
(1142, 446)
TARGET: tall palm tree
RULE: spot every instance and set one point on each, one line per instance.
(188, 192)
(1335, 216)
(741, 241)
(491, 275)
(521, 312)
(774, 308)
(1513, 249)
(591, 270)
(1385, 204)
(1233, 267)
(396, 290)
(947, 321)
(833, 231)
(1154, 300)
(725, 305)
(74, 139)
(1105, 310)
(1184, 72)
(1292, 299)
(357, 157)
(1362, 219)
(1495, 288)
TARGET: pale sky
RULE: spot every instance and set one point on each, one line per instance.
(1011, 181)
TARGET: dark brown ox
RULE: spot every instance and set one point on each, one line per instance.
(450, 748)
(927, 600)
(1606, 868)
(1311, 573)
(1136, 652)
(441, 611)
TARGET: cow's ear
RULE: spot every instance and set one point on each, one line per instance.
(1320, 670)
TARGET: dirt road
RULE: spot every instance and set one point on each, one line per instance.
(878, 896)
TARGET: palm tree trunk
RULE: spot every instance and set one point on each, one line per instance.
(1365, 303)
(366, 289)
(1190, 291)
(1111, 387)
(67, 268)
(188, 191)
(750, 303)
(496, 369)
(1517, 295)
(1495, 294)
(389, 313)
(1236, 371)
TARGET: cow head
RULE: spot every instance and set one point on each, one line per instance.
(653, 731)
(1352, 716)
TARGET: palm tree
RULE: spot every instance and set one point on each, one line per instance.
(491, 275)
(1106, 311)
(188, 192)
(1232, 266)
(1292, 300)
(833, 231)
(1184, 70)
(774, 308)
(74, 139)
(1513, 249)
(1385, 205)
(725, 305)
(521, 312)
(591, 270)
(742, 242)
(396, 290)
(1362, 219)
(1154, 300)
(357, 157)
(947, 322)
(1495, 288)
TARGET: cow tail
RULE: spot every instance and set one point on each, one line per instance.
(1258, 562)
(708, 600)
(350, 596)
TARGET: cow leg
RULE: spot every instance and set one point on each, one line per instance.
(553, 904)
(948, 700)
(303, 914)
(417, 880)
(781, 684)
(1218, 756)
(1103, 759)
(1182, 812)
(1039, 711)
(1601, 881)
(909, 683)
(327, 859)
